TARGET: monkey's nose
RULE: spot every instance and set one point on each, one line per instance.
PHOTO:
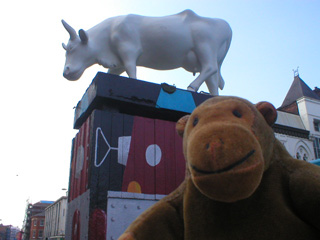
(213, 146)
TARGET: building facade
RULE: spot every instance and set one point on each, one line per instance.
(55, 220)
(8, 232)
(310, 114)
(13, 233)
(37, 226)
(290, 131)
(298, 121)
(32, 210)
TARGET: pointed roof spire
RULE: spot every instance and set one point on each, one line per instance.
(297, 90)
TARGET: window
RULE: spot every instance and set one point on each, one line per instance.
(34, 234)
(34, 222)
(316, 124)
(41, 222)
(302, 154)
(316, 147)
(40, 234)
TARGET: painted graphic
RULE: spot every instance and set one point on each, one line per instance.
(121, 153)
(80, 162)
(123, 148)
(155, 161)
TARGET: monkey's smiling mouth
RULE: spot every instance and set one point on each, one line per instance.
(226, 168)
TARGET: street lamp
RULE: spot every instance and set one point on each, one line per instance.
(64, 189)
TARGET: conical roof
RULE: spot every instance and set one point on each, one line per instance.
(297, 90)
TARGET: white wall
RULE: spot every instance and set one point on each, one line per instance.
(296, 145)
(309, 109)
(55, 218)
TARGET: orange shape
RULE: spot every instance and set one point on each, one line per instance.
(134, 187)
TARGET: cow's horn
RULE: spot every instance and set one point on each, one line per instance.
(70, 30)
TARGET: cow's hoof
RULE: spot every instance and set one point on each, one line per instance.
(191, 89)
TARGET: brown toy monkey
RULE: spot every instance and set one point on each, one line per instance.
(241, 182)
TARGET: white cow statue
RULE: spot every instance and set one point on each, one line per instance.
(122, 43)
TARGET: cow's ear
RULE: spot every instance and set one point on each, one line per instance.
(83, 36)
(64, 46)
(268, 111)
(181, 124)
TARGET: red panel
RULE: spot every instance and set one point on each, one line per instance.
(84, 142)
(138, 168)
(170, 171)
(160, 128)
(72, 173)
(76, 177)
(149, 172)
(180, 161)
(80, 162)
(169, 151)
(157, 177)
(98, 225)
(76, 226)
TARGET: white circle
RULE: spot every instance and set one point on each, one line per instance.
(79, 161)
(153, 155)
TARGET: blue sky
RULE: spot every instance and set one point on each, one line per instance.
(270, 38)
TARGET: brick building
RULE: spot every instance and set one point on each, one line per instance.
(31, 211)
(37, 226)
(3, 232)
(8, 232)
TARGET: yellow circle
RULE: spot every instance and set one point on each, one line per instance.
(134, 187)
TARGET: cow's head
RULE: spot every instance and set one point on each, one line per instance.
(79, 53)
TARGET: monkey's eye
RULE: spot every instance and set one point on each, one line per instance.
(237, 113)
(195, 121)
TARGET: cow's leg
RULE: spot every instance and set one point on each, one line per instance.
(129, 55)
(215, 82)
(209, 66)
(129, 63)
(212, 84)
(220, 79)
(131, 69)
(116, 71)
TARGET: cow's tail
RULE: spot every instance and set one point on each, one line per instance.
(221, 81)
(227, 43)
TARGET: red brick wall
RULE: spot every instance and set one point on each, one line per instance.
(37, 225)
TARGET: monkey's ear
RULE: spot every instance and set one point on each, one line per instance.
(268, 111)
(181, 124)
